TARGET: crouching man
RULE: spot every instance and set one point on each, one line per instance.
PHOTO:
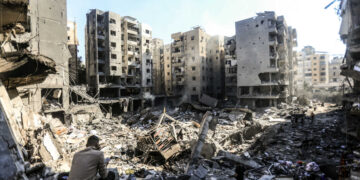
(88, 162)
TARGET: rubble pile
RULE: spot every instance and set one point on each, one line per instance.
(155, 143)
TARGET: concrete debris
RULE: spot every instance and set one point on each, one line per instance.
(209, 101)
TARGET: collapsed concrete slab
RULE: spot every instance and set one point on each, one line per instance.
(209, 101)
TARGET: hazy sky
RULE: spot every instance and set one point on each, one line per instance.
(315, 25)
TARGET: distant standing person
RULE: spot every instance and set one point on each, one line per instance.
(88, 162)
(312, 116)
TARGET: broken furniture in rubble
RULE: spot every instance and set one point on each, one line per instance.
(162, 138)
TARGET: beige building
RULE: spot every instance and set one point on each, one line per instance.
(72, 33)
(319, 68)
(189, 67)
(73, 43)
(312, 68)
(118, 55)
(197, 65)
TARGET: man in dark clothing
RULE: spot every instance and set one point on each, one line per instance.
(88, 162)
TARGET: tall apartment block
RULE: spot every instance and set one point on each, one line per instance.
(262, 52)
(334, 70)
(118, 55)
(215, 65)
(230, 68)
(158, 66)
(319, 68)
(188, 63)
(73, 43)
(312, 68)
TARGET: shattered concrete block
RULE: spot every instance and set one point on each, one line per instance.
(238, 159)
(50, 147)
(209, 101)
(57, 93)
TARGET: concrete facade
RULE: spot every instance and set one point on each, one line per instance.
(48, 37)
(262, 51)
(319, 68)
(73, 43)
(158, 66)
(230, 68)
(312, 68)
(188, 63)
(215, 66)
(334, 70)
(118, 55)
(167, 70)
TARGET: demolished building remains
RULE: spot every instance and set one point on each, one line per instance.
(350, 34)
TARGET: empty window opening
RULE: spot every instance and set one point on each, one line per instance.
(112, 21)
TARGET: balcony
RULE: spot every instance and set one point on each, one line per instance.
(273, 30)
(101, 61)
(102, 37)
(273, 42)
(132, 31)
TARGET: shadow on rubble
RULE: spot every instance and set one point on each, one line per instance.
(304, 149)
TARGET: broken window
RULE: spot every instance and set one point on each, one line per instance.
(147, 31)
(148, 70)
(193, 68)
(51, 98)
(113, 44)
(112, 21)
(192, 38)
(193, 78)
(194, 88)
(113, 56)
(113, 33)
(244, 90)
(147, 41)
(113, 68)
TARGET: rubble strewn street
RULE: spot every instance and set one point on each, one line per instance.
(269, 145)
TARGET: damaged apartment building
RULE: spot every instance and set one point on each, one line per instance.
(28, 36)
(118, 57)
(312, 69)
(74, 61)
(350, 34)
(197, 60)
(230, 68)
(264, 53)
(34, 76)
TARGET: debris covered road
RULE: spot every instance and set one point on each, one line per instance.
(266, 146)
